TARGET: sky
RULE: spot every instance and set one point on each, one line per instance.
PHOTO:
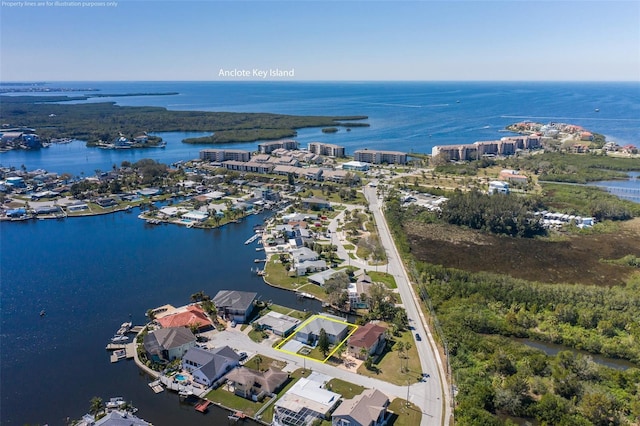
(136, 40)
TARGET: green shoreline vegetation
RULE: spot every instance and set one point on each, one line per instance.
(478, 311)
(106, 121)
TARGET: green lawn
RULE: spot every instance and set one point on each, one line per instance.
(257, 336)
(346, 389)
(349, 246)
(314, 289)
(404, 415)
(287, 311)
(383, 277)
(264, 364)
(235, 402)
(388, 368)
(277, 275)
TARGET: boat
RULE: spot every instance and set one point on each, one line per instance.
(259, 248)
(252, 239)
(597, 109)
(43, 313)
(185, 393)
(259, 260)
(305, 295)
(115, 402)
(124, 328)
(118, 338)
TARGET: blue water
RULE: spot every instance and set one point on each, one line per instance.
(628, 189)
(180, 378)
(91, 274)
(408, 116)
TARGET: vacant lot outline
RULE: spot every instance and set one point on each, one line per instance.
(352, 329)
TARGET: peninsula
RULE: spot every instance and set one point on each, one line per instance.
(103, 123)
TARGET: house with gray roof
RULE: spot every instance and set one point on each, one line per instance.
(120, 418)
(167, 344)
(235, 305)
(367, 409)
(255, 385)
(336, 331)
(207, 367)
(279, 324)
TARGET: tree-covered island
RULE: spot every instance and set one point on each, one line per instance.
(101, 123)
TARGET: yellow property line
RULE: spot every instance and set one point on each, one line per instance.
(313, 318)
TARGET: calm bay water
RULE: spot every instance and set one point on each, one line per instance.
(90, 274)
(408, 116)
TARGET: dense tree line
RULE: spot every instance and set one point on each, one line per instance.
(498, 213)
(105, 121)
(500, 380)
(574, 168)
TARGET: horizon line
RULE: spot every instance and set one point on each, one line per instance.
(2, 82)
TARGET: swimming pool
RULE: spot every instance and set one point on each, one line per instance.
(181, 378)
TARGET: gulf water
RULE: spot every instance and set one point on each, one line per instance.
(92, 274)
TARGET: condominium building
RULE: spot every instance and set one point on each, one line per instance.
(220, 155)
(327, 149)
(380, 157)
(268, 147)
(505, 146)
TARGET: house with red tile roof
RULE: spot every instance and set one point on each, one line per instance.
(191, 315)
(370, 337)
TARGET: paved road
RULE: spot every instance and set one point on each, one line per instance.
(435, 391)
(241, 342)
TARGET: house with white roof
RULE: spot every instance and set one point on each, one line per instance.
(304, 403)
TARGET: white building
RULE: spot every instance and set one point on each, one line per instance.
(303, 404)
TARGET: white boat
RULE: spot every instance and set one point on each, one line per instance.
(118, 338)
(116, 402)
(124, 328)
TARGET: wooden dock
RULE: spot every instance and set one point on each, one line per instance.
(202, 406)
(156, 386)
(121, 351)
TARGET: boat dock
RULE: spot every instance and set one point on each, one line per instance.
(156, 386)
(202, 406)
(252, 239)
(121, 351)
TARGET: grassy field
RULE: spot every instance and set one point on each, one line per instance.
(346, 389)
(389, 366)
(277, 275)
(383, 277)
(568, 259)
(404, 415)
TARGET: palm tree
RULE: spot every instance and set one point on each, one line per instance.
(96, 405)
(258, 359)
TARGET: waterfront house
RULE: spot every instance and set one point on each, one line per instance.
(167, 344)
(303, 268)
(255, 385)
(192, 315)
(235, 305)
(207, 367)
(120, 418)
(367, 409)
(320, 277)
(356, 290)
(106, 202)
(336, 331)
(368, 339)
(304, 403)
(279, 324)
